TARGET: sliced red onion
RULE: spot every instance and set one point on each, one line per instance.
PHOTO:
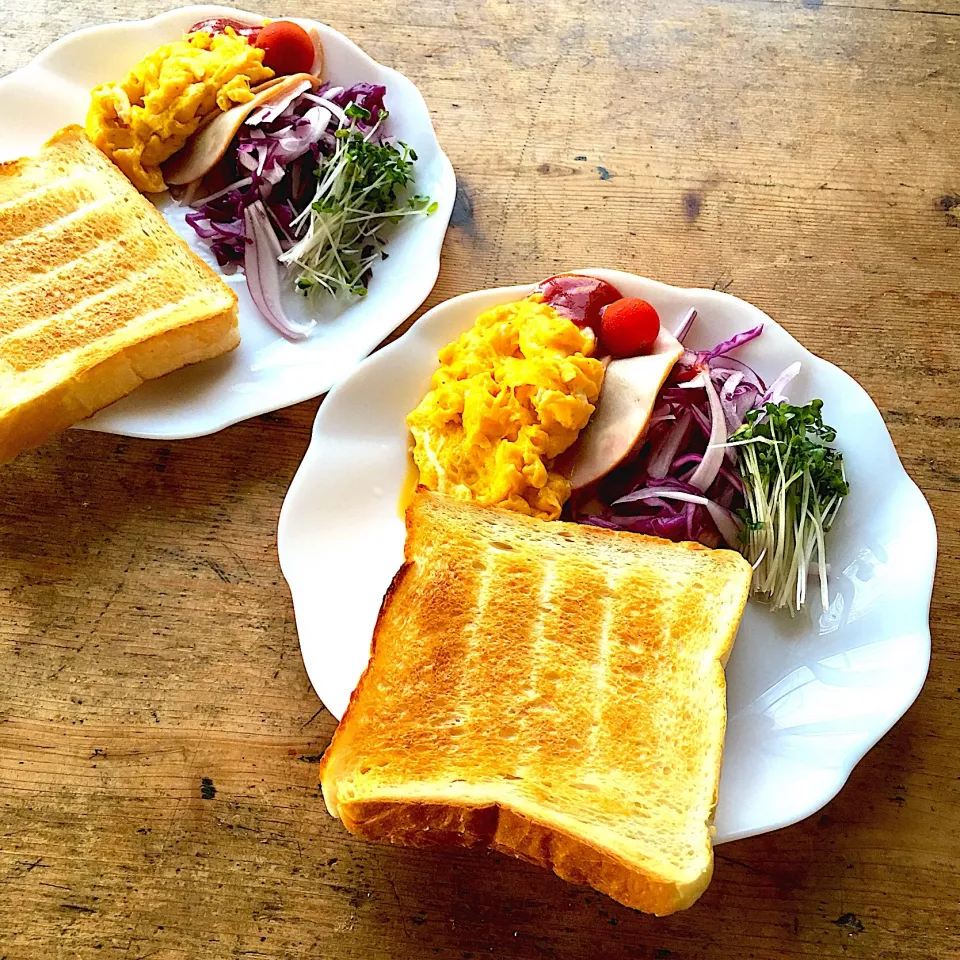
(658, 464)
(702, 420)
(677, 396)
(236, 185)
(736, 398)
(337, 111)
(732, 382)
(745, 402)
(689, 514)
(728, 401)
(286, 145)
(698, 381)
(726, 522)
(736, 484)
(707, 471)
(774, 393)
(732, 365)
(685, 324)
(275, 106)
(284, 239)
(663, 418)
(264, 273)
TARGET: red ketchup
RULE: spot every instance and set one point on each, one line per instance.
(579, 298)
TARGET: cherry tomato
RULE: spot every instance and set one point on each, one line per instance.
(287, 48)
(628, 327)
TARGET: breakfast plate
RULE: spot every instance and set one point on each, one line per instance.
(807, 696)
(266, 372)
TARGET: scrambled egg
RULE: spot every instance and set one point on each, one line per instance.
(510, 396)
(148, 116)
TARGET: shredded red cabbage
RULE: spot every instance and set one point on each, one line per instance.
(367, 96)
(266, 151)
(221, 222)
(685, 485)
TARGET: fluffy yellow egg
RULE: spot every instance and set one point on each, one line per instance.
(147, 116)
(509, 397)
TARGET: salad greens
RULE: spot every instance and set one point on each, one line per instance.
(793, 485)
(728, 459)
(360, 190)
(305, 196)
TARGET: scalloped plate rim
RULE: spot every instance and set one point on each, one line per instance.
(430, 250)
(421, 331)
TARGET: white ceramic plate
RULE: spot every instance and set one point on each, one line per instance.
(807, 697)
(266, 371)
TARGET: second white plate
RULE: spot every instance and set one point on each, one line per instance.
(266, 372)
(807, 697)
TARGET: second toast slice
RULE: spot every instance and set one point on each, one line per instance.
(97, 292)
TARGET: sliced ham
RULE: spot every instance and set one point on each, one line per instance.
(201, 153)
(619, 423)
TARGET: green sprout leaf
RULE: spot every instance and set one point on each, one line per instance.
(356, 112)
(362, 192)
(794, 483)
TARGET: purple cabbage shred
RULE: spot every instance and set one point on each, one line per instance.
(675, 447)
(265, 153)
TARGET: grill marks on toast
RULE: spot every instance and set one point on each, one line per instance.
(96, 318)
(530, 698)
(440, 626)
(98, 249)
(37, 253)
(97, 293)
(467, 587)
(104, 289)
(551, 690)
(86, 264)
(78, 298)
(602, 686)
(474, 666)
(562, 719)
(497, 642)
(25, 214)
(74, 332)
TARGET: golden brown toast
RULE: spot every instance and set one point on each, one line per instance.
(550, 690)
(97, 292)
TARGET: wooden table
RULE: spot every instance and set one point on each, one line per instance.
(158, 736)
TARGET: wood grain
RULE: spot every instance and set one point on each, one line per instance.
(158, 736)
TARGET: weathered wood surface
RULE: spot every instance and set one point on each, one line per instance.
(158, 735)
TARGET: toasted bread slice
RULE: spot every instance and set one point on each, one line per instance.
(550, 690)
(97, 292)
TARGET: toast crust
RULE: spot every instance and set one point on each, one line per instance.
(526, 835)
(79, 397)
(482, 810)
